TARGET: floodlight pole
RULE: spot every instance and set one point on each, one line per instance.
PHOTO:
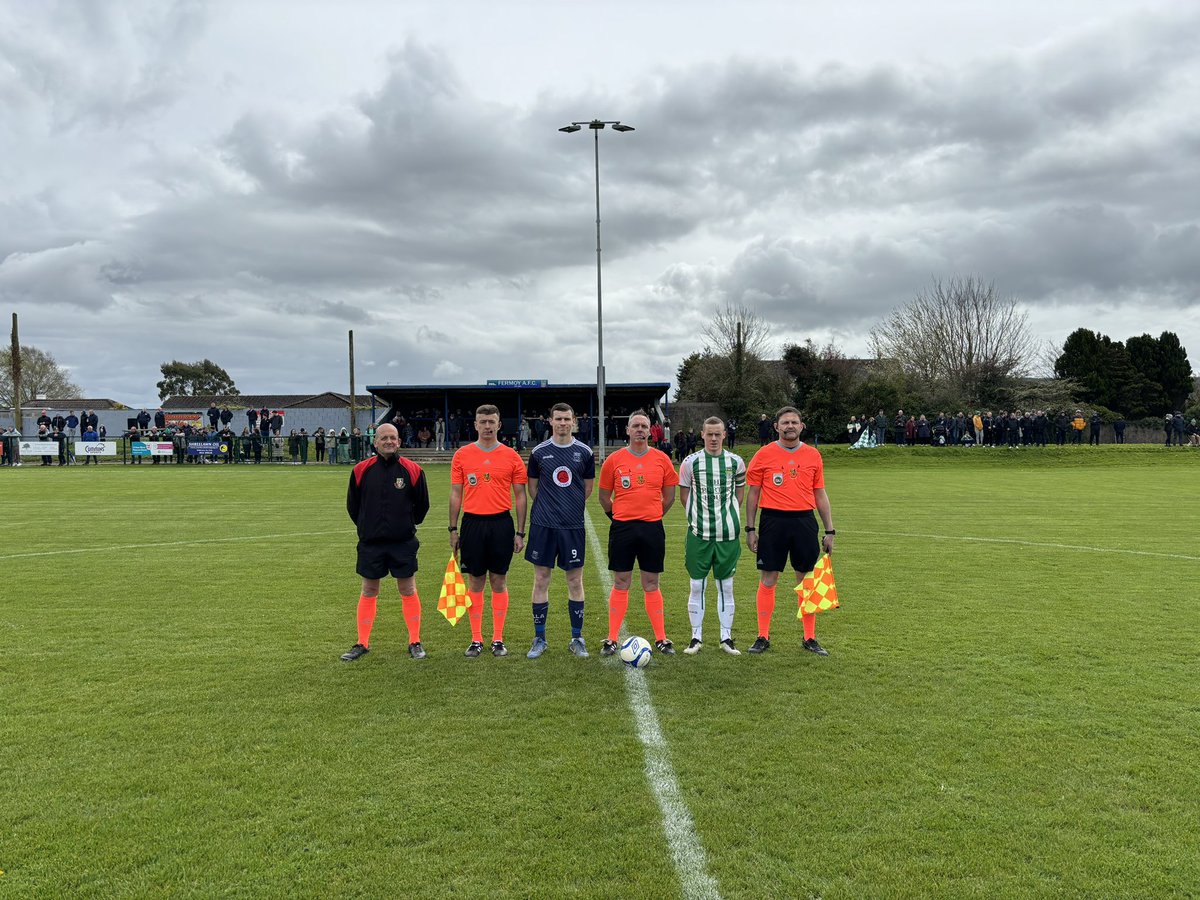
(597, 125)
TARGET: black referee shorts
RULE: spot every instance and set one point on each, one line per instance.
(782, 534)
(381, 558)
(485, 543)
(636, 541)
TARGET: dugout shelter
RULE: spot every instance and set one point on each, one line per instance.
(516, 399)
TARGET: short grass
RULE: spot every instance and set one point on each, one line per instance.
(1010, 708)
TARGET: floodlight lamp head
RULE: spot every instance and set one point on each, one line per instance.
(596, 124)
(619, 127)
(570, 129)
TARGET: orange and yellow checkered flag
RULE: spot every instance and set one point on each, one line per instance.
(817, 592)
(453, 600)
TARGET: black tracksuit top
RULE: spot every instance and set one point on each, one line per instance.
(387, 499)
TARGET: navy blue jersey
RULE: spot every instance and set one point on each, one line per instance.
(560, 473)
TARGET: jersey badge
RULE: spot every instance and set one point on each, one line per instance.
(641, 479)
(626, 482)
(472, 480)
(487, 476)
(562, 476)
(399, 484)
(777, 479)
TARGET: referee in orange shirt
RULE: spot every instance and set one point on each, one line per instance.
(637, 487)
(786, 479)
(484, 478)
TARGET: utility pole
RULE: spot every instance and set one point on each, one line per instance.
(353, 408)
(16, 376)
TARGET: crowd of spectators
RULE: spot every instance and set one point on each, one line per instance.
(1019, 428)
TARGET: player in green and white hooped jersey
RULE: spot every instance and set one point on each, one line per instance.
(712, 484)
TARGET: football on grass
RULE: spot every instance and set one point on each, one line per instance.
(636, 652)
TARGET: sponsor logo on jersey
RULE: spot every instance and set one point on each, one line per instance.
(562, 476)
(777, 479)
(473, 480)
(399, 484)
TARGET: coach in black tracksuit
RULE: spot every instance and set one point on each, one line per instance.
(387, 499)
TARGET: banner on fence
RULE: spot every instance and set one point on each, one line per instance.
(150, 448)
(95, 448)
(203, 448)
(39, 448)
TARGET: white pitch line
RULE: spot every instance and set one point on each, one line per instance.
(686, 849)
(228, 540)
(984, 540)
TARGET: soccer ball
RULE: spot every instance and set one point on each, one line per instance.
(636, 653)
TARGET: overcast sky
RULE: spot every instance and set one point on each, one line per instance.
(246, 181)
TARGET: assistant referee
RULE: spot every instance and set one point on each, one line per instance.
(786, 479)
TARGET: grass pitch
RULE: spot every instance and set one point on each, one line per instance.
(1009, 710)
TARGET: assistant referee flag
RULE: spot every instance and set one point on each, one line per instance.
(453, 600)
(817, 592)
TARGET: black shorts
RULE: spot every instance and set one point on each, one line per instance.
(636, 541)
(564, 545)
(485, 544)
(381, 558)
(783, 534)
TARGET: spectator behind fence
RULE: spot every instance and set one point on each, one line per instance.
(89, 436)
(214, 416)
(1077, 425)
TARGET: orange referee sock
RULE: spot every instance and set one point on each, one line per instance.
(766, 606)
(366, 618)
(499, 613)
(412, 617)
(618, 605)
(654, 609)
(809, 621)
(475, 614)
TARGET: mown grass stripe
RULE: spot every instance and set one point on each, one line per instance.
(691, 865)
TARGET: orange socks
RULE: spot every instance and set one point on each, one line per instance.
(366, 618)
(618, 604)
(475, 614)
(499, 612)
(412, 617)
(766, 606)
(654, 609)
(809, 621)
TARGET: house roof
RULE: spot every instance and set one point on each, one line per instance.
(71, 403)
(326, 400)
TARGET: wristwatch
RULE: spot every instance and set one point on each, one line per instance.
(452, 529)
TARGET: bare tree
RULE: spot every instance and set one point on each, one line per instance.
(962, 332)
(40, 376)
(733, 369)
(737, 327)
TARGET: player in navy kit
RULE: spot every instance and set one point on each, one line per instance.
(561, 474)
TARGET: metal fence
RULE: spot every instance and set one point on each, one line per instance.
(181, 450)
